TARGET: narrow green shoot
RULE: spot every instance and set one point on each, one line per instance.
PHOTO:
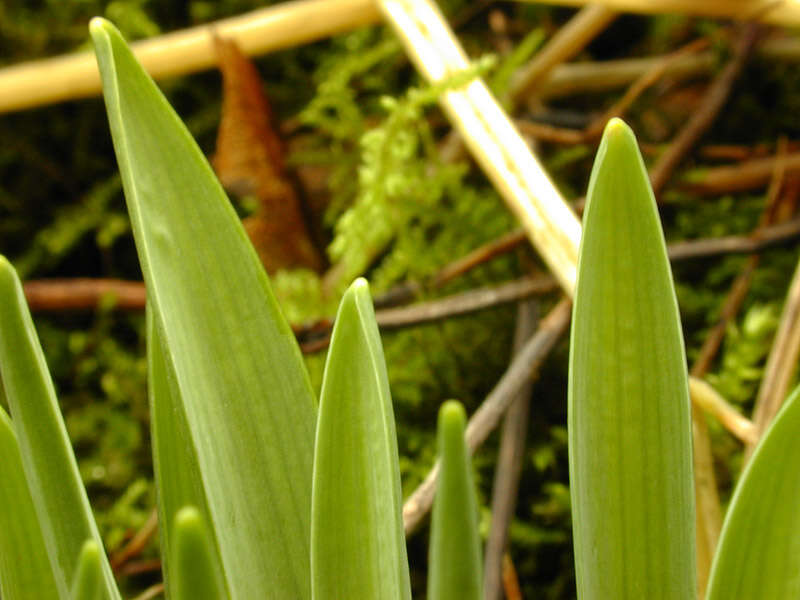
(454, 565)
(630, 446)
(87, 583)
(358, 547)
(55, 486)
(195, 570)
(20, 533)
(233, 388)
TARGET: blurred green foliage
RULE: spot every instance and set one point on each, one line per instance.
(394, 211)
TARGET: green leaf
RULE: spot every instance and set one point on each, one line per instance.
(177, 476)
(358, 546)
(196, 570)
(629, 413)
(87, 583)
(20, 533)
(234, 368)
(758, 555)
(59, 498)
(454, 571)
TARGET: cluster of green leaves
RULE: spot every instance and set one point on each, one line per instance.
(227, 387)
(52, 226)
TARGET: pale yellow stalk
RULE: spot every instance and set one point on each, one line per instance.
(265, 30)
(786, 13)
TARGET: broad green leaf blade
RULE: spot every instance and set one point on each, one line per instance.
(238, 373)
(758, 555)
(358, 547)
(20, 533)
(629, 414)
(454, 567)
(196, 572)
(88, 580)
(51, 471)
(175, 463)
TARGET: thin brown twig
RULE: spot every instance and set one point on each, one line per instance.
(488, 415)
(465, 302)
(83, 293)
(594, 130)
(705, 114)
(140, 566)
(742, 283)
(709, 514)
(741, 177)
(408, 290)
(510, 579)
(570, 39)
(508, 468)
(434, 310)
(137, 543)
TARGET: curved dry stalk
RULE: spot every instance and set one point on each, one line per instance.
(781, 364)
(568, 41)
(768, 11)
(712, 402)
(281, 26)
(509, 467)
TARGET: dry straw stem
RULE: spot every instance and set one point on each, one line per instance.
(566, 43)
(186, 51)
(707, 398)
(493, 140)
(71, 76)
(602, 76)
(780, 364)
(509, 466)
(778, 12)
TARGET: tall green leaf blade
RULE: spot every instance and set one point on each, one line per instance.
(177, 477)
(358, 546)
(758, 555)
(20, 533)
(454, 570)
(88, 580)
(238, 372)
(629, 412)
(51, 471)
(196, 570)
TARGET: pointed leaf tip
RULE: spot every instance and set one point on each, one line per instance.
(628, 404)
(358, 548)
(8, 275)
(455, 563)
(196, 574)
(452, 418)
(99, 26)
(616, 127)
(89, 573)
(358, 292)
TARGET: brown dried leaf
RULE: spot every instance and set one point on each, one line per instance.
(249, 160)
